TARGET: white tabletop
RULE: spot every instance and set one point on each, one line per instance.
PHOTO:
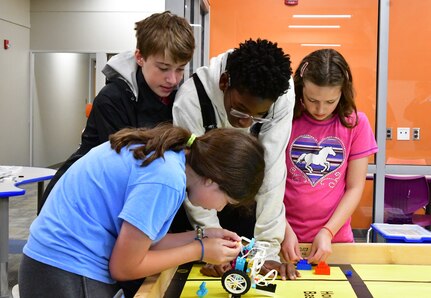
(13, 176)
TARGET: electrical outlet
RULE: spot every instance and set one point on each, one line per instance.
(403, 133)
(416, 134)
(388, 133)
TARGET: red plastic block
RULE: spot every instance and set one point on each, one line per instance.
(322, 269)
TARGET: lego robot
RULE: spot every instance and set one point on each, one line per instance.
(246, 268)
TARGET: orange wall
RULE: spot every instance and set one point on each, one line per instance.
(409, 85)
(233, 22)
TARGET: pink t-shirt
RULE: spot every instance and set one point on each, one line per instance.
(317, 157)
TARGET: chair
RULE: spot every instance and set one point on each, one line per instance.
(404, 195)
(88, 108)
(15, 291)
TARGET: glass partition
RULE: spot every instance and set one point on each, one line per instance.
(409, 84)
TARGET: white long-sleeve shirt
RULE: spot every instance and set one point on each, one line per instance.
(274, 136)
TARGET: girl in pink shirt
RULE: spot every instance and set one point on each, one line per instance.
(326, 158)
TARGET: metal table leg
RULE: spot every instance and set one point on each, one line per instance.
(4, 247)
(40, 189)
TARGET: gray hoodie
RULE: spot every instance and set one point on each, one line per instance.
(123, 66)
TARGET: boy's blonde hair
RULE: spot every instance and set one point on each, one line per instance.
(165, 34)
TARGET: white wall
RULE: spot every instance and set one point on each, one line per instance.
(15, 11)
(14, 82)
(88, 26)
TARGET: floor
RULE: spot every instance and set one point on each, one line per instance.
(22, 211)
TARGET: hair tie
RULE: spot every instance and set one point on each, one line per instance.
(191, 140)
(303, 69)
(329, 230)
(302, 102)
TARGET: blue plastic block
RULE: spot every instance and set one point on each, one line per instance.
(303, 265)
(240, 264)
(202, 290)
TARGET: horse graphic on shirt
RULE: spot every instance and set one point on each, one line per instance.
(319, 159)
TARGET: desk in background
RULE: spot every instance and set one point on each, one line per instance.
(11, 179)
(370, 259)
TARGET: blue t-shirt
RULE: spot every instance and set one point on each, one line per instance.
(80, 222)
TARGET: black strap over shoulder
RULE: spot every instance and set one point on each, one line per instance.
(255, 129)
(207, 109)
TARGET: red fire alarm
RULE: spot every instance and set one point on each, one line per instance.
(291, 2)
(6, 44)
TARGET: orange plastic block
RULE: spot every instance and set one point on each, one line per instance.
(322, 269)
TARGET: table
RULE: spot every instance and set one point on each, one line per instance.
(379, 270)
(9, 186)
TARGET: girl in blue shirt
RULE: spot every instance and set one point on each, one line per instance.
(107, 218)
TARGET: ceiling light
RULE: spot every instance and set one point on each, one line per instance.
(327, 45)
(316, 26)
(323, 16)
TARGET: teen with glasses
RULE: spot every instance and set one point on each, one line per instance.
(248, 85)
